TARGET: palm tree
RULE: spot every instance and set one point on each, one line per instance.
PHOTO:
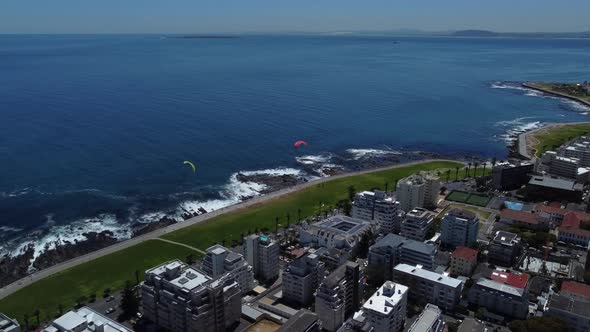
(468, 170)
(475, 170)
(37, 313)
(288, 219)
(276, 225)
(26, 320)
(457, 173)
(494, 162)
(386, 185)
(448, 174)
(60, 309)
(298, 215)
(484, 168)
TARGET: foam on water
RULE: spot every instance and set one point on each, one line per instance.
(368, 153)
(314, 159)
(517, 126)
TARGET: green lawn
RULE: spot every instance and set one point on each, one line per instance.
(553, 138)
(232, 226)
(468, 198)
(570, 89)
(109, 271)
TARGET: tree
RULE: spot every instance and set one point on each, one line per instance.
(106, 292)
(92, 297)
(37, 313)
(60, 309)
(364, 243)
(494, 161)
(137, 277)
(276, 225)
(190, 259)
(480, 313)
(538, 324)
(26, 320)
(475, 169)
(345, 206)
(484, 169)
(351, 193)
(457, 173)
(448, 175)
(386, 185)
(288, 219)
(129, 301)
(468, 170)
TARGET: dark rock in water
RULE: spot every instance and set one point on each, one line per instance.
(163, 222)
(94, 241)
(272, 182)
(14, 268)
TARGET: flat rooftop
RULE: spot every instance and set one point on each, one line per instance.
(553, 182)
(428, 275)
(427, 319)
(506, 238)
(565, 303)
(491, 284)
(386, 297)
(342, 224)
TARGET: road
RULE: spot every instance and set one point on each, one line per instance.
(26, 281)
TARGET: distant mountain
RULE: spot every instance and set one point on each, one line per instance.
(486, 33)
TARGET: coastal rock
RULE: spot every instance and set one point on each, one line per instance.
(271, 182)
(141, 229)
(15, 268)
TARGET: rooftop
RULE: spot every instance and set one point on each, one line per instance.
(342, 224)
(427, 319)
(419, 213)
(471, 325)
(85, 320)
(465, 253)
(301, 321)
(429, 275)
(565, 303)
(511, 279)
(520, 216)
(7, 323)
(460, 213)
(554, 182)
(499, 286)
(550, 209)
(386, 297)
(394, 241)
(506, 238)
(576, 288)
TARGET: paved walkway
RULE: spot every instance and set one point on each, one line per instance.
(28, 280)
(182, 244)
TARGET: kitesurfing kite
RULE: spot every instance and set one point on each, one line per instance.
(186, 162)
(300, 143)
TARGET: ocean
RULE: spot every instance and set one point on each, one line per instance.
(94, 129)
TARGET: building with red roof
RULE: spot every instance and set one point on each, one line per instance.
(511, 279)
(463, 261)
(572, 228)
(550, 214)
(513, 217)
(576, 290)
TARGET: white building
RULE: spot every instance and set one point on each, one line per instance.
(430, 320)
(8, 324)
(262, 253)
(84, 320)
(418, 190)
(220, 260)
(178, 298)
(340, 232)
(376, 206)
(459, 228)
(429, 287)
(386, 308)
(302, 278)
(416, 224)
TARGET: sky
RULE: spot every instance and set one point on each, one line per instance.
(208, 16)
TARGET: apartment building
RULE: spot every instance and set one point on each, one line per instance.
(430, 320)
(180, 298)
(418, 190)
(220, 260)
(385, 310)
(459, 228)
(262, 254)
(302, 278)
(376, 206)
(429, 287)
(392, 249)
(338, 296)
(575, 313)
(500, 298)
(416, 224)
(504, 248)
(340, 232)
(463, 261)
(507, 176)
(84, 320)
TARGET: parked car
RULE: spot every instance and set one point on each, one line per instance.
(110, 298)
(109, 310)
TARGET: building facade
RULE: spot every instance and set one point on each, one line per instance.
(179, 298)
(459, 228)
(463, 261)
(386, 309)
(393, 249)
(499, 298)
(429, 287)
(418, 190)
(376, 206)
(340, 232)
(302, 278)
(338, 296)
(430, 320)
(262, 253)
(504, 248)
(220, 260)
(416, 224)
(506, 176)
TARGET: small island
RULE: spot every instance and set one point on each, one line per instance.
(579, 92)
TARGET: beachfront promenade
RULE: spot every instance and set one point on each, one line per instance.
(155, 235)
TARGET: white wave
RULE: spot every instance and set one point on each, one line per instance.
(8, 229)
(314, 159)
(325, 167)
(272, 172)
(73, 232)
(367, 153)
(576, 106)
(517, 126)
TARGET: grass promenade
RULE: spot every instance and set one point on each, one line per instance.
(110, 271)
(553, 137)
(232, 226)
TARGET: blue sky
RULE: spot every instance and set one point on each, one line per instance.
(203, 16)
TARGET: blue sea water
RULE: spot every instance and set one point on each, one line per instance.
(94, 129)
